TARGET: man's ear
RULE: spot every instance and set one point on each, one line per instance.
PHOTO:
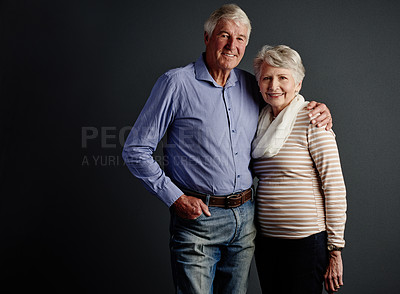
(206, 38)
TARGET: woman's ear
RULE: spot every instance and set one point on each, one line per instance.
(298, 87)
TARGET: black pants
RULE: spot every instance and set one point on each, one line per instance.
(292, 265)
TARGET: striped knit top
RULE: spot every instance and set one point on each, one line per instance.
(301, 190)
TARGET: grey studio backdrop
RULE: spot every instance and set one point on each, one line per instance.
(74, 77)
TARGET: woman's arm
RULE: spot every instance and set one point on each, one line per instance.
(324, 151)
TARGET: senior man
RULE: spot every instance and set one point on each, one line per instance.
(209, 110)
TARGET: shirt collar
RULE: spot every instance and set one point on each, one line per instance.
(202, 73)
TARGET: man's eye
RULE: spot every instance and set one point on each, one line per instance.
(266, 78)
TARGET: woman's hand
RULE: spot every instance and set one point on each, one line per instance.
(324, 118)
(334, 272)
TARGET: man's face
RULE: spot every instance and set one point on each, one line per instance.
(226, 46)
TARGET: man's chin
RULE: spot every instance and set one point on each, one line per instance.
(229, 65)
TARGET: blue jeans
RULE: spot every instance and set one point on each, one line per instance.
(213, 254)
(292, 266)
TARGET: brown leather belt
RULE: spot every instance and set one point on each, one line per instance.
(227, 201)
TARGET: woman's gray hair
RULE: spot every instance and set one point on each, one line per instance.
(229, 12)
(280, 56)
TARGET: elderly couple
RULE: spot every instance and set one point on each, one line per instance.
(216, 122)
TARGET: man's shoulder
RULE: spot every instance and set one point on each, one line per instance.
(248, 78)
(241, 73)
(176, 76)
(177, 72)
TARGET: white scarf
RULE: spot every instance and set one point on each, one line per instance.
(272, 134)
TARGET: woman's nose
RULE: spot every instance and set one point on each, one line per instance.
(272, 84)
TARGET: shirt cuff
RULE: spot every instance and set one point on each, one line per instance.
(170, 194)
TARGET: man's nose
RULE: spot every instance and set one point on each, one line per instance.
(231, 43)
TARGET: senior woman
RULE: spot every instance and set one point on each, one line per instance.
(301, 195)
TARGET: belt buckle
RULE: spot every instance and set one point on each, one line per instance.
(234, 197)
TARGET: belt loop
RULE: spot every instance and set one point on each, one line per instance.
(252, 193)
(207, 199)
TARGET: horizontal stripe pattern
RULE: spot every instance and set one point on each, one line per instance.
(301, 190)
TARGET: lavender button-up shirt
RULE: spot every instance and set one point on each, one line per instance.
(209, 132)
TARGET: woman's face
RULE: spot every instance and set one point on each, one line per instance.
(277, 86)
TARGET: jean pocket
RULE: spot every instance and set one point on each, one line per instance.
(200, 217)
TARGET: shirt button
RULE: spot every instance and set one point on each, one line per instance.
(236, 153)
(238, 176)
(233, 131)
